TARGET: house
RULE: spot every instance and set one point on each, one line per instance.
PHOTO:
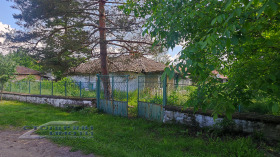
(134, 66)
(188, 81)
(183, 80)
(120, 66)
(23, 72)
(217, 75)
(214, 73)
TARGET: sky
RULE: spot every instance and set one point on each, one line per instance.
(6, 14)
(6, 17)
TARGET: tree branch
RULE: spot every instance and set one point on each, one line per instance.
(130, 41)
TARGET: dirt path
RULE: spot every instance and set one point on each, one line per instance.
(12, 146)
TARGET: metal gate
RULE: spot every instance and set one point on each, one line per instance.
(112, 94)
(151, 97)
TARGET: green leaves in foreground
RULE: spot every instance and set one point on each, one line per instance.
(275, 107)
(239, 39)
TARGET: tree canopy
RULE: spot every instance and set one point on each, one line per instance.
(238, 38)
(65, 33)
(7, 70)
(22, 58)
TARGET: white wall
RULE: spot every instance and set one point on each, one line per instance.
(51, 100)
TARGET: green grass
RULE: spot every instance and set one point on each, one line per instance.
(117, 136)
(176, 95)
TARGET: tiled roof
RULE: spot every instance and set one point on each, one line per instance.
(125, 63)
(21, 70)
(216, 73)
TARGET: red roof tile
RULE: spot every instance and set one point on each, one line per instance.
(21, 70)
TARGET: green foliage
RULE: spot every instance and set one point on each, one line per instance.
(22, 58)
(177, 95)
(151, 93)
(56, 24)
(70, 32)
(7, 69)
(238, 38)
(261, 104)
(156, 100)
(218, 100)
(29, 78)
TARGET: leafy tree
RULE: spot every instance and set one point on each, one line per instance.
(239, 38)
(7, 70)
(66, 33)
(22, 58)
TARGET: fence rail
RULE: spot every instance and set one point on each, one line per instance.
(146, 95)
(61, 88)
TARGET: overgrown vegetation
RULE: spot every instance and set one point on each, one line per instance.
(23, 58)
(7, 70)
(177, 95)
(116, 136)
(258, 102)
(186, 97)
(238, 38)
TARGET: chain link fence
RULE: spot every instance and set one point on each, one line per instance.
(60, 88)
(114, 87)
(179, 93)
(151, 90)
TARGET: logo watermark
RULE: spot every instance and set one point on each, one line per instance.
(56, 129)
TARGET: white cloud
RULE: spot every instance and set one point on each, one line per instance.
(4, 46)
(5, 28)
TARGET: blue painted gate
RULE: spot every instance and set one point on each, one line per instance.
(151, 97)
(112, 94)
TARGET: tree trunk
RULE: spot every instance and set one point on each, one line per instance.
(103, 49)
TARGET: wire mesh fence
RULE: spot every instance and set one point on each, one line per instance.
(60, 88)
(176, 92)
(144, 96)
(151, 97)
(150, 89)
(112, 94)
(114, 87)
